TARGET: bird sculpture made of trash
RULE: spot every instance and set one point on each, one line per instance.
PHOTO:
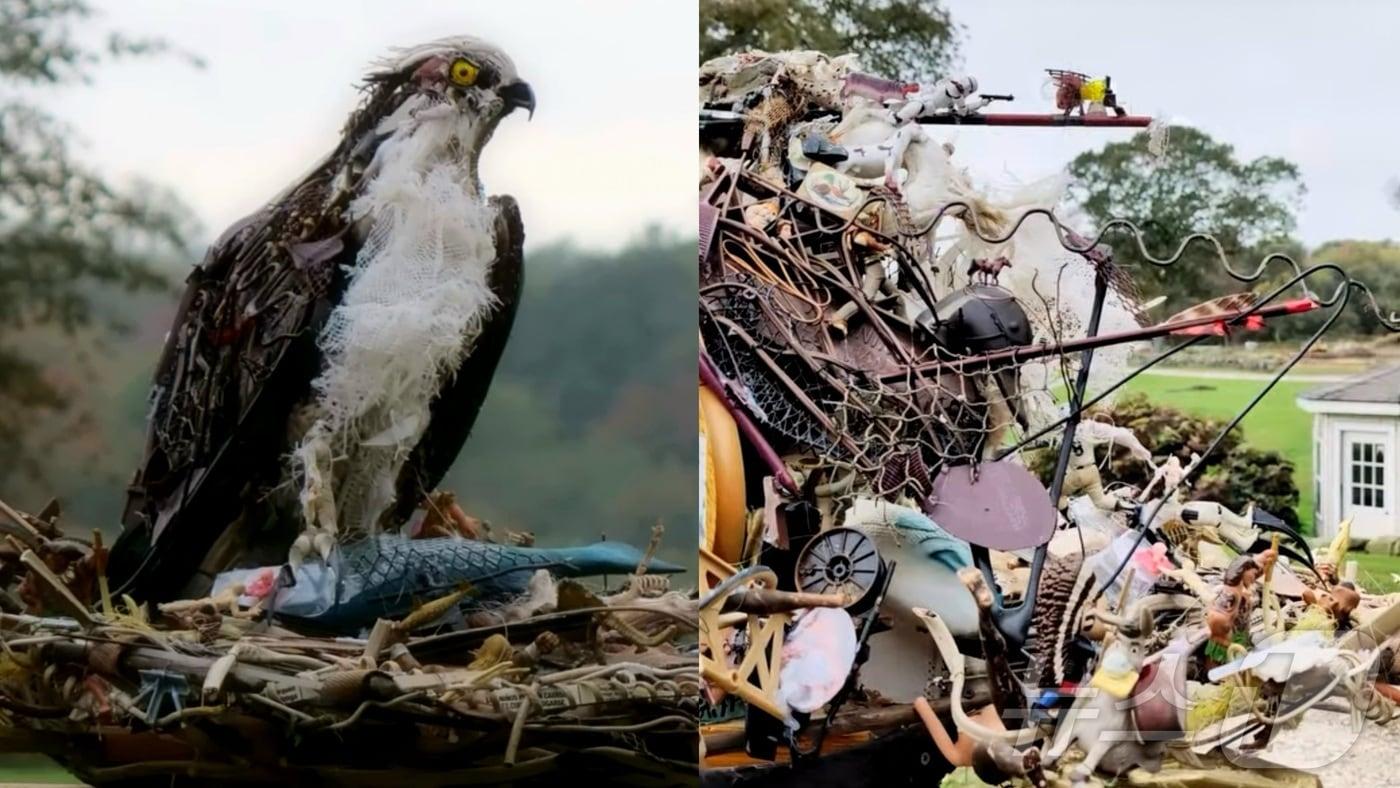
(333, 349)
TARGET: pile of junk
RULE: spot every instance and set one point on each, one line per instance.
(888, 591)
(449, 654)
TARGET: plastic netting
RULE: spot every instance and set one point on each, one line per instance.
(416, 298)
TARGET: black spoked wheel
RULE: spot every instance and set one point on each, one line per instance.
(841, 561)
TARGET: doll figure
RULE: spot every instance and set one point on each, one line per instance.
(1228, 617)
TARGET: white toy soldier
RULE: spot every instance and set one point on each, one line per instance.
(1082, 477)
(950, 95)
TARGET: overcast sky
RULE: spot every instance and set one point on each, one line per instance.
(611, 146)
(1314, 82)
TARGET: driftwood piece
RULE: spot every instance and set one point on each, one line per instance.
(1007, 693)
(767, 601)
(71, 605)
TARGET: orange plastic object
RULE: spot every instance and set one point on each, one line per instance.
(723, 479)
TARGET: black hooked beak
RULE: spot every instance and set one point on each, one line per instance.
(518, 95)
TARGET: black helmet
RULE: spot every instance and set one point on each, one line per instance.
(978, 319)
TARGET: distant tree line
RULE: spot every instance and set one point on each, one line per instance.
(1250, 206)
(590, 425)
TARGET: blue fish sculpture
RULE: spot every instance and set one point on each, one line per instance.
(389, 575)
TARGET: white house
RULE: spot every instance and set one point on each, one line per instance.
(1354, 451)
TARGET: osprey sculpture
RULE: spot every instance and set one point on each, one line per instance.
(332, 350)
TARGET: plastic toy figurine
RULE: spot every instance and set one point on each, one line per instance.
(1228, 617)
(1333, 607)
(984, 271)
(870, 161)
(1076, 91)
(1083, 477)
(952, 95)
(1204, 519)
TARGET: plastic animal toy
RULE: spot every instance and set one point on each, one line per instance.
(1111, 714)
(986, 271)
(883, 158)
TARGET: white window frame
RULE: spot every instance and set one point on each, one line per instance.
(1365, 470)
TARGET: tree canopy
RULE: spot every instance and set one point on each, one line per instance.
(66, 231)
(1374, 263)
(1199, 185)
(896, 38)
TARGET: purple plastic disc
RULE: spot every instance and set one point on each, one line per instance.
(998, 505)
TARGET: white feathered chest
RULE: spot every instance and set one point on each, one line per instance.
(416, 299)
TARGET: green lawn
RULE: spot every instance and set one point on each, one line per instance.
(1374, 572)
(1275, 423)
(22, 768)
(962, 778)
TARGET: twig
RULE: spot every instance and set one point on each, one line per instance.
(282, 707)
(372, 704)
(652, 546)
(30, 710)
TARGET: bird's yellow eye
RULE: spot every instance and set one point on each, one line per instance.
(464, 72)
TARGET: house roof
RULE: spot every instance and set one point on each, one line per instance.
(1377, 385)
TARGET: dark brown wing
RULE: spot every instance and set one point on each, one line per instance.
(239, 358)
(455, 409)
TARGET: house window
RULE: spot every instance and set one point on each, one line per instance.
(1364, 474)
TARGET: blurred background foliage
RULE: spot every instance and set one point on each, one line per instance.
(70, 241)
(587, 429)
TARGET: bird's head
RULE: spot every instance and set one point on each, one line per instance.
(467, 75)
(457, 88)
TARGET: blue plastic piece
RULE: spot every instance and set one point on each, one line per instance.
(931, 539)
(163, 692)
(1043, 705)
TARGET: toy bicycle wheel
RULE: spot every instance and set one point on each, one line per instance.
(841, 561)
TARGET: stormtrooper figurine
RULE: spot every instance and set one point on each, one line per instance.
(946, 95)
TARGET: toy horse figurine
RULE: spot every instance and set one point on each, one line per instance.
(984, 271)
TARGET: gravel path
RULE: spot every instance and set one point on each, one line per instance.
(1325, 744)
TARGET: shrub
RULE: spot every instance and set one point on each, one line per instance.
(1234, 474)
